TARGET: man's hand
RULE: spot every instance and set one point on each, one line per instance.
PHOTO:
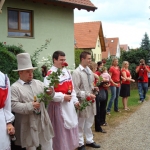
(77, 105)
(67, 98)
(36, 104)
(96, 88)
(10, 129)
(49, 91)
(92, 96)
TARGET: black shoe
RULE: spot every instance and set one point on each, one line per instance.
(103, 131)
(117, 110)
(94, 145)
(81, 148)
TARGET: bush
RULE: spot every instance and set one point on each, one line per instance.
(8, 62)
(77, 57)
(133, 57)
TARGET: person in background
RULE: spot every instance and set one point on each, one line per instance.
(44, 70)
(114, 72)
(105, 84)
(149, 79)
(142, 71)
(6, 117)
(125, 84)
(100, 105)
(61, 109)
(83, 79)
(32, 123)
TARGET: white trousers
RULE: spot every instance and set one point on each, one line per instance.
(84, 126)
(44, 145)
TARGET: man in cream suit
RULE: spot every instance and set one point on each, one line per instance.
(83, 79)
(32, 123)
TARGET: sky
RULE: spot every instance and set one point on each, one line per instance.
(128, 20)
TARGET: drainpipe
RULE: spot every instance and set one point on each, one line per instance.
(1, 5)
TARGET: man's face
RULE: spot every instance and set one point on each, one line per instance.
(26, 75)
(87, 60)
(59, 63)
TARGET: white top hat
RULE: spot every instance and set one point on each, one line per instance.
(24, 62)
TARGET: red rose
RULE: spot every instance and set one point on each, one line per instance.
(93, 100)
(64, 64)
(88, 98)
(49, 72)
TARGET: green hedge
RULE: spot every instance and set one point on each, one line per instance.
(8, 62)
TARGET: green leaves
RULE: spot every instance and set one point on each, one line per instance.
(84, 104)
(54, 78)
(54, 81)
(44, 97)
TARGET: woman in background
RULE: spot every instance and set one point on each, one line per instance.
(114, 72)
(125, 84)
(100, 106)
(44, 71)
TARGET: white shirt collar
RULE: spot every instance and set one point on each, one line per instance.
(86, 68)
(81, 67)
(21, 81)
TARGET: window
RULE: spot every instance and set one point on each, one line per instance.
(19, 23)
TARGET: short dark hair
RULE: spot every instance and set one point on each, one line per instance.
(56, 54)
(99, 63)
(84, 54)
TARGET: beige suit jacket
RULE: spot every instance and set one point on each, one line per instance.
(27, 122)
(83, 89)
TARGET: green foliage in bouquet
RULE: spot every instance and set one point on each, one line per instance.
(54, 78)
(54, 81)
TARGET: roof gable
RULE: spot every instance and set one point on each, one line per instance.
(86, 34)
(112, 45)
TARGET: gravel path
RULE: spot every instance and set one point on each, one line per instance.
(132, 134)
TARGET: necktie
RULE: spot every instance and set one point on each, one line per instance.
(88, 75)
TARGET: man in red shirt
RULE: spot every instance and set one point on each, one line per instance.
(142, 71)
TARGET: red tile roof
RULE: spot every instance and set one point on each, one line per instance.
(86, 34)
(105, 54)
(124, 47)
(80, 4)
(111, 47)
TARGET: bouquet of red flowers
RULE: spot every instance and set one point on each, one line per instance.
(86, 102)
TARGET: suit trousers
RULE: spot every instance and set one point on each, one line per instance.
(45, 145)
(84, 126)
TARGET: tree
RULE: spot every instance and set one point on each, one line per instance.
(145, 44)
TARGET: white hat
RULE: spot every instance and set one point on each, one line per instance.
(24, 62)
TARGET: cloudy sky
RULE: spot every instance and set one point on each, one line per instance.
(128, 20)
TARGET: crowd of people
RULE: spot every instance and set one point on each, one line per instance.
(62, 125)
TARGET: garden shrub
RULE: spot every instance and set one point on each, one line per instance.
(8, 62)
